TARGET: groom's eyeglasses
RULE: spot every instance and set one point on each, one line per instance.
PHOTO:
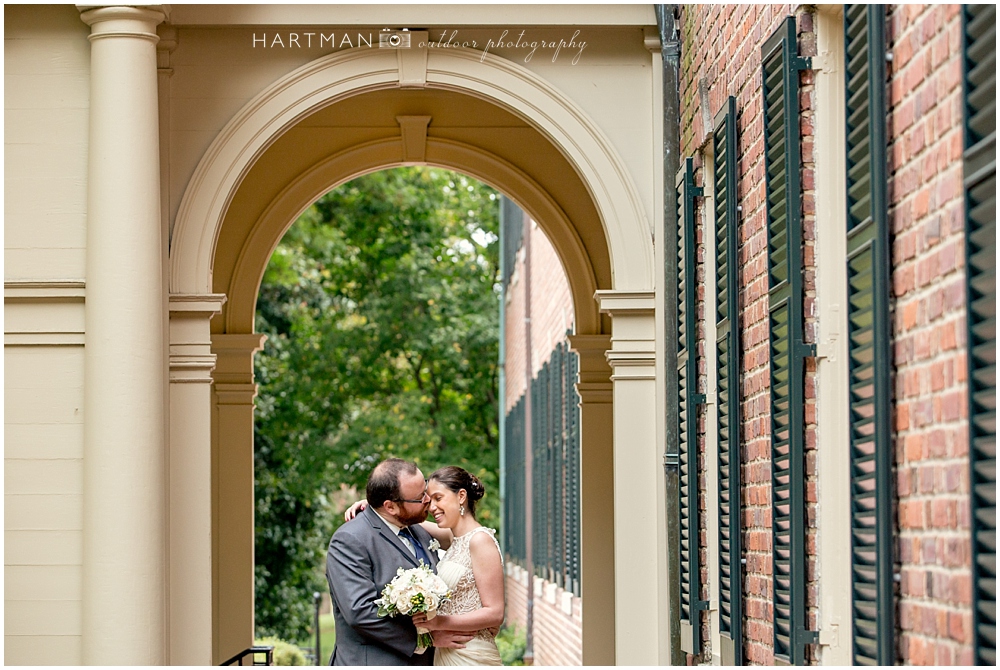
(426, 497)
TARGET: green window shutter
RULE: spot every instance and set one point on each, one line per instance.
(980, 161)
(727, 349)
(780, 75)
(869, 339)
(573, 428)
(514, 508)
(687, 373)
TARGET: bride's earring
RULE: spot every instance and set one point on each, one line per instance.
(461, 510)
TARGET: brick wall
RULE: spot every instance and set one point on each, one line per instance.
(551, 311)
(558, 615)
(929, 330)
(721, 57)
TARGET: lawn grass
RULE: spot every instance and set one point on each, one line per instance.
(327, 637)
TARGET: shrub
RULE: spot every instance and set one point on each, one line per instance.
(511, 642)
(285, 653)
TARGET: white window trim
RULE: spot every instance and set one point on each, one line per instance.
(834, 538)
(711, 404)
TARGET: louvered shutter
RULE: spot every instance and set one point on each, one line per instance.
(780, 75)
(687, 373)
(727, 349)
(514, 508)
(573, 428)
(979, 68)
(869, 339)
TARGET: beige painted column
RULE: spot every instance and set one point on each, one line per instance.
(124, 613)
(190, 473)
(640, 530)
(232, 493)
(597, 561)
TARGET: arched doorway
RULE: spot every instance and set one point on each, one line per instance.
(332, 120)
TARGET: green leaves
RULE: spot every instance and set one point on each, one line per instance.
(380, 306)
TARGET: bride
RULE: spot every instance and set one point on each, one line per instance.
(472, 568)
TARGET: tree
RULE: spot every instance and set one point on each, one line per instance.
(380, 307)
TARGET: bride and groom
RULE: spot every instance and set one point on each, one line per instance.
(388, 531)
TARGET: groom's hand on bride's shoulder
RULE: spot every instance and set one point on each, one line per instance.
(451, 639)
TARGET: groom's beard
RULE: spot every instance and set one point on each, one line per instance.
(413, 519)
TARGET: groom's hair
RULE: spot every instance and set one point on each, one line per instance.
(383, 482)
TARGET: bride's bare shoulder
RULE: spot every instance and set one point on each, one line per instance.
(483, 539)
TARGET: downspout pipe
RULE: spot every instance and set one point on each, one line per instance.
(666, 21)
(529, 455)
(501, 373)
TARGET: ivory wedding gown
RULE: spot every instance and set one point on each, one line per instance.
(456, 571)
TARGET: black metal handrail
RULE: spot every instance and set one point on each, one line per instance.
(252, 652)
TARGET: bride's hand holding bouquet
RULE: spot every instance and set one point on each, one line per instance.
(418, 593)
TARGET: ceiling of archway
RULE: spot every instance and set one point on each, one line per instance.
(372, 116)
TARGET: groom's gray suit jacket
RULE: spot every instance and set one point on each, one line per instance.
(363, 557)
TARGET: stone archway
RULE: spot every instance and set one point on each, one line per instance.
(261, 172)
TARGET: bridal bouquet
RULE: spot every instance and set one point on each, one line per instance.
(414, 591)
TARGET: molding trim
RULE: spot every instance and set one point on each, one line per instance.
(235, 394)
(191, 357)
(43, 339)
(626, 302)
(594, 383)
(413, 62)
(240, 344)
(414, 133)
(297, 196)
(343, 74)
(55, 294)
(200, 303)
(633, 345)
(35, 290)
(191, 368)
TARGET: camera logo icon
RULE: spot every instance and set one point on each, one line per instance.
(394, 39)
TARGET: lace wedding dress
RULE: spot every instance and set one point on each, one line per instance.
(456, 571)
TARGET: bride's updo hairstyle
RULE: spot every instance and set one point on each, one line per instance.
(456, 479)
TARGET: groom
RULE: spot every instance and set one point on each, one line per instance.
(363, 557)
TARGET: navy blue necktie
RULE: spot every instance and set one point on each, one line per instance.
(417, 548)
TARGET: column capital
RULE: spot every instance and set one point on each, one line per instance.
(234, 384)
(191, 357)
(594, 385)
(623, 303)
(123, 21)
(633, 343)
(206, 304)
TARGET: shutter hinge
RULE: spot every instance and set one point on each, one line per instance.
(805, 350)
(671, 462)
(698, 398)
(809, 637)
(697, 191)
(801, 63)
